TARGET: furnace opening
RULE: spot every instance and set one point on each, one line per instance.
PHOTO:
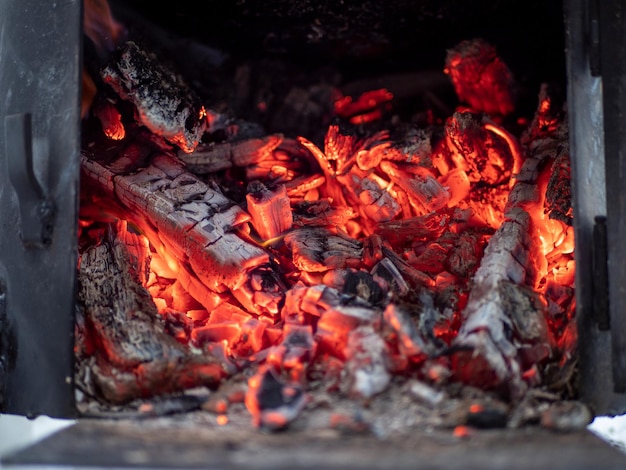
(302, 233)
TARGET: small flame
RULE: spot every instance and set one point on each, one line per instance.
(101, 27)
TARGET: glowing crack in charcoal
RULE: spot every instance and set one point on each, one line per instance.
(436, 256)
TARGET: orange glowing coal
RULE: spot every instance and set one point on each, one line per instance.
(366, 232)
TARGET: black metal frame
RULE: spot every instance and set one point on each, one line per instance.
(41, 54)
(596, 74)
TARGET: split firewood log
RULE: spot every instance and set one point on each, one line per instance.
(504, 335)
(123, 342)
(193, 223)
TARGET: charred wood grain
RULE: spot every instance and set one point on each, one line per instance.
(317, 249)
(502, 314)
(164, 102)
(195, 223)
(134, 355)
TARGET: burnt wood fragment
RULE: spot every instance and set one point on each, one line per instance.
(273, 402)
(134, 356)
(503, 313)
(481, 78)
(269, 209)
(212, 157)
(197, 225)
(163, 101)
(318, 249)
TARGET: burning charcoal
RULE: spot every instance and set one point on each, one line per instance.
(413, 271)
(163, 101)
(270, 210)
(137, 358)
(306, 189)
(295, 351)
(226, 331)
(458, 185)
(425, 192)
(321, 213)
(466, 253)
(195, 223)
(227, 312)
(300, 345)
(277, 166)
(412, 276)
(487, 417)
(346, 181)
(412, 146)
(109, 117)
(559, 192)
(212, 157)
(480, 77)
(363, 285)
(410, 343)
(339, 318)
(252, 337)
(368, 107)
(372, 249)
(318, 249)
(547, 146)
(296, 301)
(399, 233)
(335, 278)
(273, 403)
(434, 256)
(208, 158)
(483, 155)
(388, 275)
(314, 301)
(548, 120)
(369, 192)
(524, 305)
(366, 372)
(370, 159)
(262, 292)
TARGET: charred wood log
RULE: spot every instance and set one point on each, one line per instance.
(163, 101)
(197, 225)
(320, 213)
(134, 356)
(504, 318)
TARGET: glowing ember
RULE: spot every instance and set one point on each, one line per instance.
(444, 255)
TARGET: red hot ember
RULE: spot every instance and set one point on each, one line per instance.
(439, 255)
